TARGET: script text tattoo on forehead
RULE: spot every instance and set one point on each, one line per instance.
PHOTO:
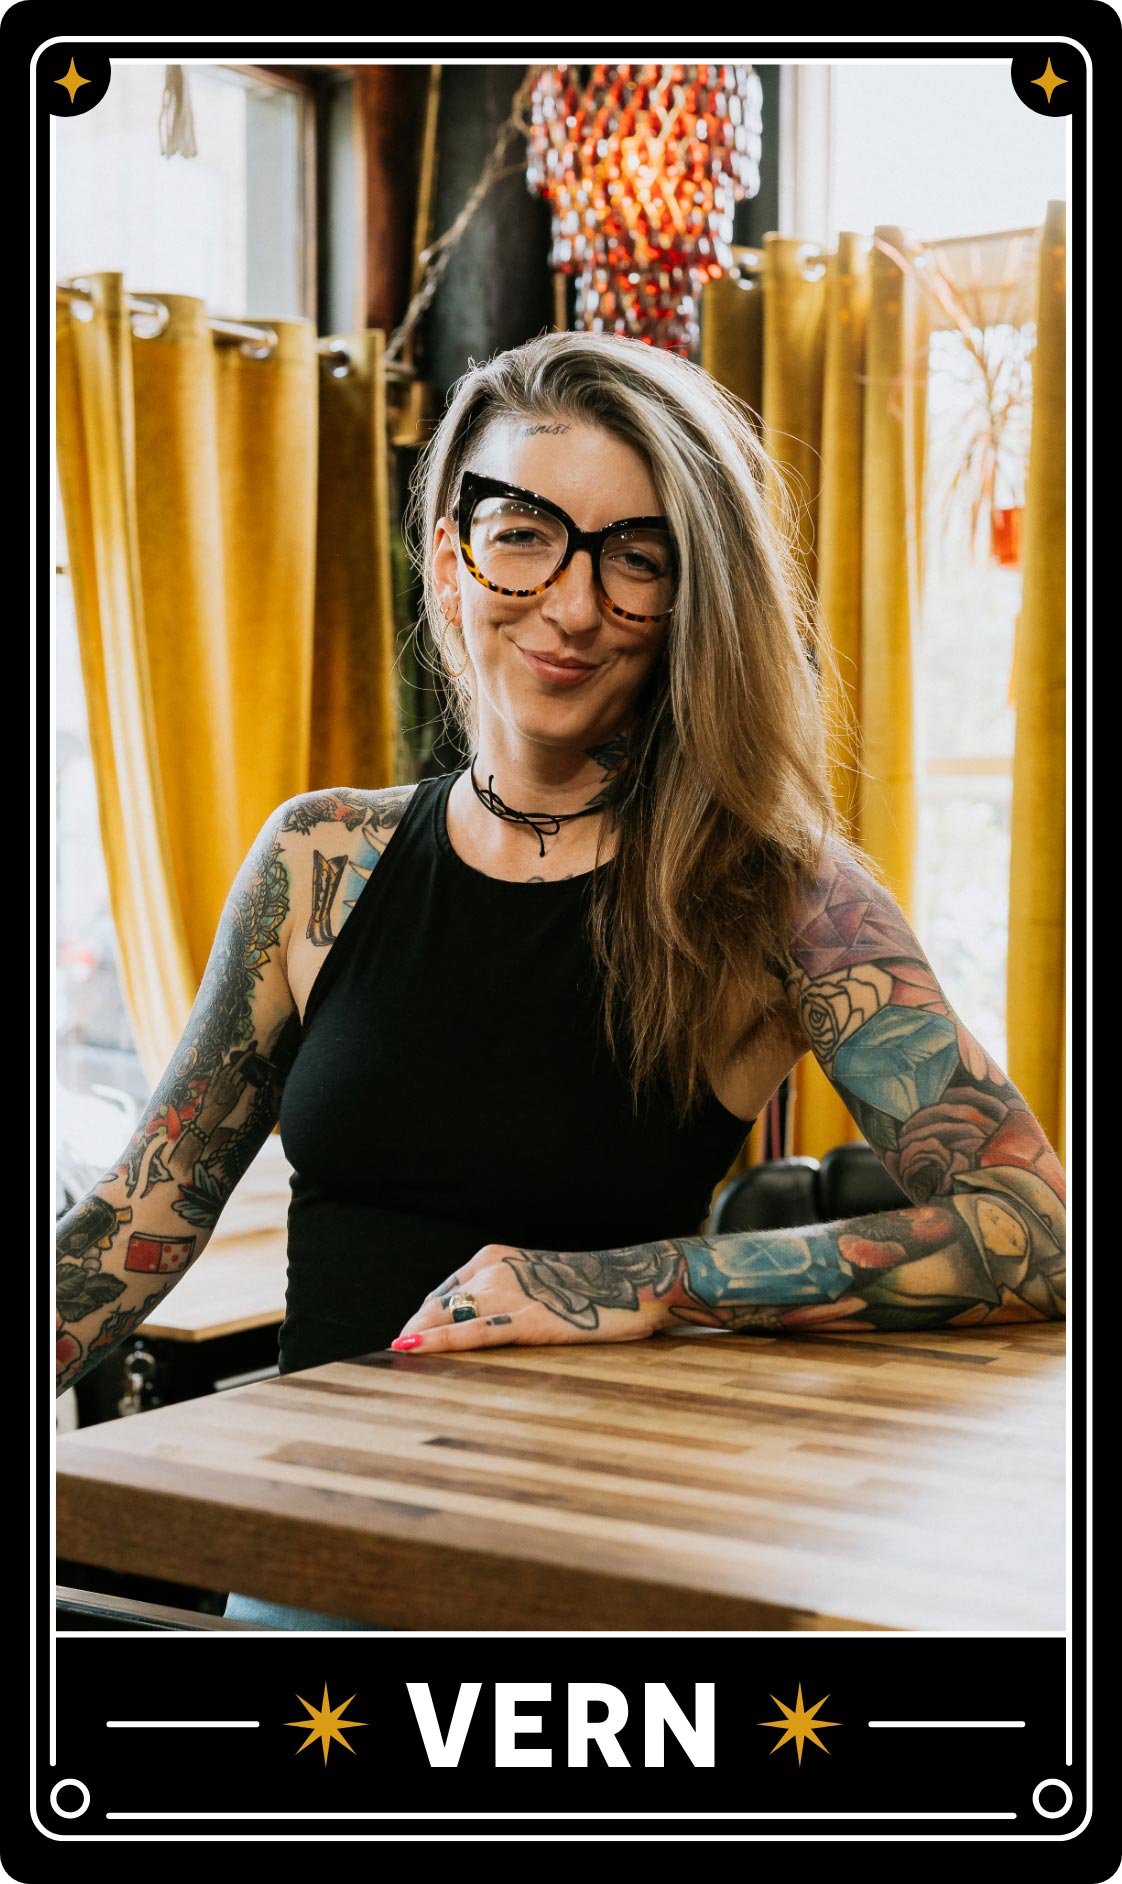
(538, 431)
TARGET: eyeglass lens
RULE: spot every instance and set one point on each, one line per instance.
(519, 547)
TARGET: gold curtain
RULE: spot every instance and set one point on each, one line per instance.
(831, 353)
(354, 714)
(1036, 979)
(228, 532)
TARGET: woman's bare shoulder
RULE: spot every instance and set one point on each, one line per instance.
(331, 840)
(348, 808)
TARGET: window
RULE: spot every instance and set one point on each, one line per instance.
(940, 149)
(964, 659)
(231, 225)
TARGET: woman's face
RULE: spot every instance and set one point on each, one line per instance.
(597, 480)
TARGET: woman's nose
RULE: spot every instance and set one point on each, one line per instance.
(572, 601)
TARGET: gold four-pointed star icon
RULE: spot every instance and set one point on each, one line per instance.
(73, 79)
(325, 1723)
(1048, 80)
(797, 1722)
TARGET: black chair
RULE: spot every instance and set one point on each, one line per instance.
(774, 1196)
(850, 1181)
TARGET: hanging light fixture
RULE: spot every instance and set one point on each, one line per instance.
(642, 165)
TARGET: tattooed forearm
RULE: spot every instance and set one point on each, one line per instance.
(159, 1255)
(983, 1240)
(986, 1240)
(89, 1228)
(206, 1120)
(82, 1237)
(124, 1322)
(688, 1278)
(987, 1254)
(202, 1199)
(82, 1291)
(575, 1285)
(981, 1257)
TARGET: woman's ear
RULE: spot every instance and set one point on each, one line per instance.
(446, 569)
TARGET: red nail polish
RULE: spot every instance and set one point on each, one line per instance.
(407, 1341)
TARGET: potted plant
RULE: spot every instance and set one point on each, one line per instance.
(979, 415)
(980, 451)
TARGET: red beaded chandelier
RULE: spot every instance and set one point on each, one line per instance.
(642, 165)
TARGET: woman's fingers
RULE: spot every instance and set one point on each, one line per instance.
(485, 1331)
(482, 1276)
(436, 1311)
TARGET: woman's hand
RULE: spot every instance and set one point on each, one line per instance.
(536, 1297)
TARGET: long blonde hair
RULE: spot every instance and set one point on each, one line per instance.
(725, 805)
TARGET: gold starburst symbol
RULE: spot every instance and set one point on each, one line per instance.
(72, 80)
(797, 1721)
(325, 1723)
(1048, 80)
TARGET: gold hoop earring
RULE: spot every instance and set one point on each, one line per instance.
(454, 672)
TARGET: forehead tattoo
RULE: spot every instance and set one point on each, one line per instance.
(536, 431)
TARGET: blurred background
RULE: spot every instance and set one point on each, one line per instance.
(267, 279)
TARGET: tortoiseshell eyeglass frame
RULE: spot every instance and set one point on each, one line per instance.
(473, 487)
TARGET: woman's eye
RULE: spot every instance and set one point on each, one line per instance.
(518, 539)
(634, 562)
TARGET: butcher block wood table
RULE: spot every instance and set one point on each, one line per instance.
(699, 1480)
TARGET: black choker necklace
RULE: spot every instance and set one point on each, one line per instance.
(543, 823)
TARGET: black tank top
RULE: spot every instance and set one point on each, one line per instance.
(454, 1087)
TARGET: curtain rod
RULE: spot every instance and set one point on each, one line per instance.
(262, 340)
(752, 261)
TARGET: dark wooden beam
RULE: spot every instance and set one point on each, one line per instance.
(390, 111)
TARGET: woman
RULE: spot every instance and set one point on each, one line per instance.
(516, 1023)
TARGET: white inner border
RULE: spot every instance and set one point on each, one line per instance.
(748, 42)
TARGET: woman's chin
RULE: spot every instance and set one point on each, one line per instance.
(563, 720)
(563, 725)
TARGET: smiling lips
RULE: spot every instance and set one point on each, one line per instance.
(567, 671)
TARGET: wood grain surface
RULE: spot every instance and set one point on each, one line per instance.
(700, 1480)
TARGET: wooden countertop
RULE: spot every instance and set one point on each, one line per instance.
(699, 1480)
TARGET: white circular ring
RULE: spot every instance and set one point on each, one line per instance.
(1060, 1810)
(79, 1809)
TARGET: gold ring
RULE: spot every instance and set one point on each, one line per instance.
(464, 1307)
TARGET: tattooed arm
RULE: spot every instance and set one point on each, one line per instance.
(144, 1223)
(983, 1240)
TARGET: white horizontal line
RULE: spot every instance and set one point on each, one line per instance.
(613, 1635)
(183, 1723)
(463, 1817)
(946, 1723)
